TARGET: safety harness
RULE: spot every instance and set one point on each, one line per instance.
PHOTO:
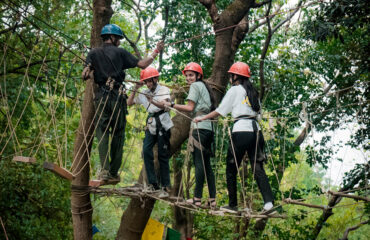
(261, 155)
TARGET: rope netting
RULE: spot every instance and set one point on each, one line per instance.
(62, 111)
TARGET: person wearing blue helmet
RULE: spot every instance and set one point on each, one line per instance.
(107, 64)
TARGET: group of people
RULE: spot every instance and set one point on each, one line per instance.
(108, 63)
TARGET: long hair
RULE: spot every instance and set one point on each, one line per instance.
(252, 93)
(213, 101)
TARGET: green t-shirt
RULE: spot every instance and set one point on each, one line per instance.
(198, 93)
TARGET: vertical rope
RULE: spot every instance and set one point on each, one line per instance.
(2, 224)
(236, 162)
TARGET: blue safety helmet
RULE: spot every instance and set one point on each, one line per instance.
(111, 29)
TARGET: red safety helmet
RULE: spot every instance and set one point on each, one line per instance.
(149, 72)
(241, 69)
(195, 67)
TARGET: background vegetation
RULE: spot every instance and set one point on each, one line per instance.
(325, 47)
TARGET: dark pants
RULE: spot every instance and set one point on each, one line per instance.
(110, 120)
(206, 139)
(245, 141)
(163, 157)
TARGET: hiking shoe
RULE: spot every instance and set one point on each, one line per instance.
(104, 175)
(229, 209)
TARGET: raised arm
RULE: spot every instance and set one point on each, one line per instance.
(144, 63)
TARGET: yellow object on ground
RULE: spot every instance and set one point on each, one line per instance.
(153, 230)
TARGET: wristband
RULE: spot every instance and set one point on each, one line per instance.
(156, 50)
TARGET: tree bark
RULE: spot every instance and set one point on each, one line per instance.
(81, 203)
(226, 42)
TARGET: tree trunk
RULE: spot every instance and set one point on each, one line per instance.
(80, 203)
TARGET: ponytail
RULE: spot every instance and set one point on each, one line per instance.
(252, 93)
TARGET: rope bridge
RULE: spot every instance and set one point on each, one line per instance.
(61, 109)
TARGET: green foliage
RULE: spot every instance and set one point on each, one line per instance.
(330, 50)
(34, 204)
(40, 94)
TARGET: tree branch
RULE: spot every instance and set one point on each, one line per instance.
(133, 45)
(131, 42)
(138, 19)
(345, 235)
(164, 35)
(257, 25)
(334, 200)
(146, 27)
(264, 52)
(288, 18)
(15, 70)
(12, 28)
(239, 34)
(267, 44)
(235, 12)
(257, 5)
(302, 136)
(291, 201)
(211, 8)
(366, 199)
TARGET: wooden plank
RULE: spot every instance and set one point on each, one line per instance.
(291, 201)
(61, 172)
(24, 159)
(98, 183)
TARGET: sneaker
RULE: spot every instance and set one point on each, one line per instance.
(151, 188)
(229, 209)
(104, 175)
(163, 194)
(247, 210)
(268, 206)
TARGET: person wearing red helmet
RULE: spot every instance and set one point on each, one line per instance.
(107, 64)
(159, 126)
(200, 102)
(241, 100)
